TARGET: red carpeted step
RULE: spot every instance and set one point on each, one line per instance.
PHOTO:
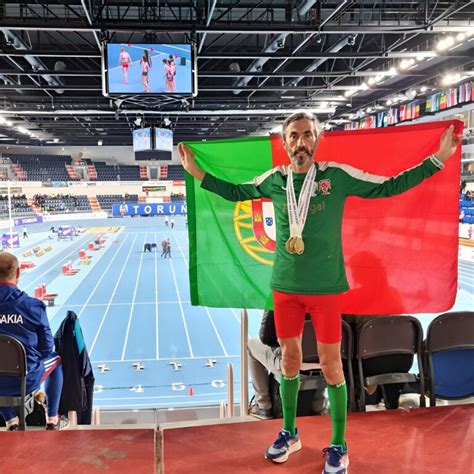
(79, 452)
(428, 441)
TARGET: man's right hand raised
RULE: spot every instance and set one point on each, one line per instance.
(189, 163)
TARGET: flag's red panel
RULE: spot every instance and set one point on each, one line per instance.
(400, 252)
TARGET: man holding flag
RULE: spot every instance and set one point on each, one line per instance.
(308, 272)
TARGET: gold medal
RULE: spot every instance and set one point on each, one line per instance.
(290, 245)
(299, 245)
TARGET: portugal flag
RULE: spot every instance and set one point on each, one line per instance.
(400, 252)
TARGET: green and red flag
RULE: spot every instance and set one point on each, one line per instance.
(400, 252)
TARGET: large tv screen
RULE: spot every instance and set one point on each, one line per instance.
(142, 139)
(149, 69)
(163, 139)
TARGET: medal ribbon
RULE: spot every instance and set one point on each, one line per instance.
(298, 212)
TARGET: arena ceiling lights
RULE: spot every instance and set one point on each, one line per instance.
(255, 62)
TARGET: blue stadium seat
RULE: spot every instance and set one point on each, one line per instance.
(449, 356)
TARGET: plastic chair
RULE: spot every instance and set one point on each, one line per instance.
(450, 356)
(13, 363)
(390, 335)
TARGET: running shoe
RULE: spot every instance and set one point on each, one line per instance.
(284, 445)
(337, 460)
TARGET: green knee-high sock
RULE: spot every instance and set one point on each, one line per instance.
(289, 387)
(338, 405)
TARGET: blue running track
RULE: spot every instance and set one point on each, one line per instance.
(148, 345)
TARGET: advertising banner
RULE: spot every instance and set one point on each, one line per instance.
(11, 240)
(29, 220)
(148, 209)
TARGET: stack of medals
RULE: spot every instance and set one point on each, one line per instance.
(297, 212)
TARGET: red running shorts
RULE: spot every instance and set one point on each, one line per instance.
(325, 310)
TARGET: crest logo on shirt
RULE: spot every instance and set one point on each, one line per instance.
(254, 225)
(325, 186)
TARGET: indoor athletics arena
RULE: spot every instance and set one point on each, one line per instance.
(237, 237)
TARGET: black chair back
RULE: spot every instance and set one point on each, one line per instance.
(13, 357)
(309, 346)
(13, 363)
(390, 335)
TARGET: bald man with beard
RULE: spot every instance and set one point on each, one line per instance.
(25, 319)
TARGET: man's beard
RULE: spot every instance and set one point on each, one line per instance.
(301, 156)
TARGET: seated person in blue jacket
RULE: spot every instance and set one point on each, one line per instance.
(25, 319)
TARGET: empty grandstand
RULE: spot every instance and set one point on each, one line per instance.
(107, 172)
(106, 200)
(175, 172)
(41, 167)
(62, 168)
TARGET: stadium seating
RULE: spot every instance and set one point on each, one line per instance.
(129, 173)
(20, 207)
(44, 168)
(107, 172)
(175, 172)
(106, 200)
(449, 351)
(177, 197)
(390, 336)
(467, 207)
(63, 203)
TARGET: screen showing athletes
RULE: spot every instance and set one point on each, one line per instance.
(142, 139)
(163, 139)
(149, 69)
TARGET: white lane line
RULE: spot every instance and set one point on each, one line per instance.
(469, 294)
(101, 278)
(205, 308)
(93, 291)
(156, 304)
(106, 312)
(181, 308)
(165, 232)
(187, 246)
(159, 405)
(127, 332)
(158, 397)
(137, 302)
(165, 359)
(236, 316)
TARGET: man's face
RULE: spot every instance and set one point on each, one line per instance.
(301, 141)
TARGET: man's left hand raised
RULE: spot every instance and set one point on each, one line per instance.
(448, 144)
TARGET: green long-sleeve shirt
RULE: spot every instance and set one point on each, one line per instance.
(320, 269)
